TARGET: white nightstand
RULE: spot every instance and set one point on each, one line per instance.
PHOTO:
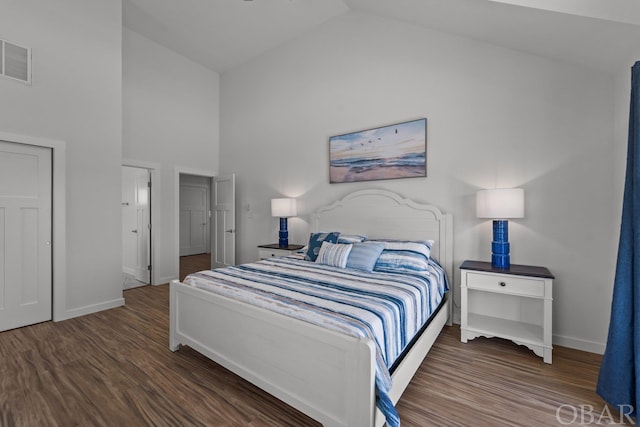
(273, 250)
(515, 304)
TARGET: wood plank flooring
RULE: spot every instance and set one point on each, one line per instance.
(114, 368)
(193, 263)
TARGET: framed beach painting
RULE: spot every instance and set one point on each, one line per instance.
(388, 152)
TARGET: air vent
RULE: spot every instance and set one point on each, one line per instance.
(16, 62)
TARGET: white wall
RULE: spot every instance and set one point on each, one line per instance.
(621, 135)
(622, 92)
(171, 116)
(75, 98)
(496, 118)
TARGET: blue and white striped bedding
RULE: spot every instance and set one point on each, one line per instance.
(389, 308)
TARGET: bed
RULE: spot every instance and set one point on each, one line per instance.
(328, 375)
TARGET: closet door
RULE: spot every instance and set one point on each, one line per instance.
(194, 219)
(25, 235)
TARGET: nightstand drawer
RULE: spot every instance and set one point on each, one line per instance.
(274, 250)
(272, 253)
(506, 284)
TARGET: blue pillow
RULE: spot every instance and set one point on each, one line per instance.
(334, 254)
(315, 242)
(364, 255)
(404, 255)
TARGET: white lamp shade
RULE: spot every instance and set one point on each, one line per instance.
(283, 208)
(500, 203)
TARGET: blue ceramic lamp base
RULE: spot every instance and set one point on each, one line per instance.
(500, 245)
(283, 235)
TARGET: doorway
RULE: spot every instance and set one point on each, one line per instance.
(195, 223)
(136, 227)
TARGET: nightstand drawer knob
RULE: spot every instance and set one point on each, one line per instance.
(503, 284)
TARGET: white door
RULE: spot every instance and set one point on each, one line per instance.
(136, 233)
(25, 235)
(143, 226)
(224, 221)
(136, 219)
(194, 219)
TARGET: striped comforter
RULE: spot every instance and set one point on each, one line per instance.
(389, 308)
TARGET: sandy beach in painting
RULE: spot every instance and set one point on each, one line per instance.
(348, 174)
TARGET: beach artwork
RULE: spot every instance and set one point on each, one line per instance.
(389, 152)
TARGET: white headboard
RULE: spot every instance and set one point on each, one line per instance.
(385, 214)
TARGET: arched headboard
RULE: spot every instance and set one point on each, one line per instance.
(385, 214)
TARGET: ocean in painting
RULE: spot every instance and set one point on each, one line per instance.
(395, 151)
(412, 159)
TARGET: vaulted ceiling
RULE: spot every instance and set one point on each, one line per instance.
(221, 34)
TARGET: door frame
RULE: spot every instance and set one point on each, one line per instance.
(153, 169)
(177, 170)
(58, 217)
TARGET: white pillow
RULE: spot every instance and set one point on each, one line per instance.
(334, 254)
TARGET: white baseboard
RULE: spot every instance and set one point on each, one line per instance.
(579, 344)
(164, 280)
(92, 308)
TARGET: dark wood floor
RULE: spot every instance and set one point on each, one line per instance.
(114, 368)
(193, 263)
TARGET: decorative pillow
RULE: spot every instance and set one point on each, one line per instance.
(406, 255)
(315, 242)
(364, 255)
(351, 238)
(334, 254)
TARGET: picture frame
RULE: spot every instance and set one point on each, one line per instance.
(387, 152)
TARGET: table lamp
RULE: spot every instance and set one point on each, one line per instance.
(283, 209)
(500, 204)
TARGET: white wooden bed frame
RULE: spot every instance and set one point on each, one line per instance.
(324, 374)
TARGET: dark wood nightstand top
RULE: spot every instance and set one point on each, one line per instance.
(284, 248)
(515, 269)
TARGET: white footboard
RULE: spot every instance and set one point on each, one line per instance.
(324, 374)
